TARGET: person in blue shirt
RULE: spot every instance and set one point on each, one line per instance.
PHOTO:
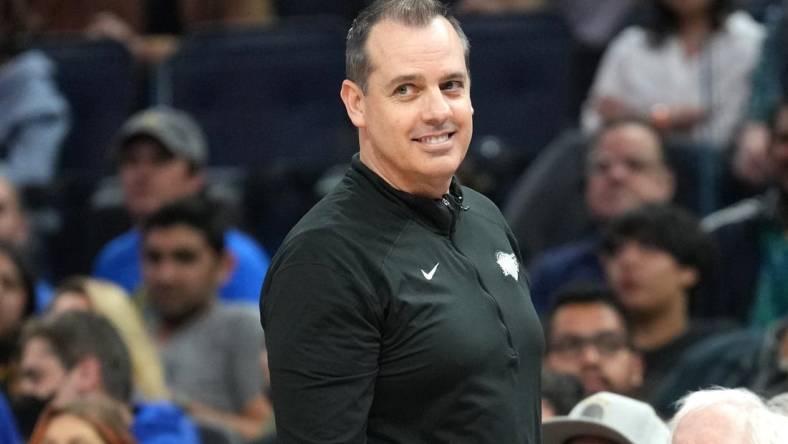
(78, 354)
(8, 431)
(160, 155)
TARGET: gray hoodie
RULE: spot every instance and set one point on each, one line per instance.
(34, 119)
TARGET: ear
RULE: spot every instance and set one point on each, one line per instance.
(670, 182)
(197, 181)
(87, 376)
(353, 98)
(227, 263)
(637, 368)
(688, 276)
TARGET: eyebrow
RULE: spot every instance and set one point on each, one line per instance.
(406, 78)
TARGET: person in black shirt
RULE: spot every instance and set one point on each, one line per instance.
(397, 310)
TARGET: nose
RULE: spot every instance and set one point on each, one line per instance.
(589, 354)
(436, 107)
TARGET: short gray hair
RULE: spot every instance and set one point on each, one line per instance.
(415, 13)
(764, 426)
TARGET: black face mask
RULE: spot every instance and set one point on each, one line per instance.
(27, 410)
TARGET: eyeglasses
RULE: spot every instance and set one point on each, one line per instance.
(603, 165)
(607, 344)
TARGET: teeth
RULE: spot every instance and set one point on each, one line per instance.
(434, 140)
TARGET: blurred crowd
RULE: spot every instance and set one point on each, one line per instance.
(654, 225)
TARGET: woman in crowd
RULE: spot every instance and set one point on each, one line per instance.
(687, 69)
(16, 305)
(94, 420)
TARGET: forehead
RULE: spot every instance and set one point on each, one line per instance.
(394, 48)
(7, 193)
(585, 319)
(177, 236)
(628, 139)
(38, 350)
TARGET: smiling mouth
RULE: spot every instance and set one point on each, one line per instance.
(435, 140)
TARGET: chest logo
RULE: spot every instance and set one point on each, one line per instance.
(428, 276)
(508, 263)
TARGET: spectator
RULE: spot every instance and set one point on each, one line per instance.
(211, 352)
(607, 418)
(16, 230)
(753, 246)
(676, 71)
(589, 337)
(161, 155)
(17, 304)
(79, 354)
(625, 168)
(656, 259)
(92, 420)
(35, 116)
(112, 302)
(770, 81)
(726, 416)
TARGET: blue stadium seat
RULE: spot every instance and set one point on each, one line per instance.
(264, 95)
(100, 80)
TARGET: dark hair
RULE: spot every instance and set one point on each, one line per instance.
(13, 27)
(76, 335)
(586, 293)
(561, 390)
(196, 212)
(415, 13)
(667, 228)
(663, 21)
(25, 270)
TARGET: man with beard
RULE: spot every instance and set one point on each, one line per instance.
(210, 350)
(589, 337)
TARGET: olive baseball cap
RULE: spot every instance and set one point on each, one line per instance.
(176, 130)
(607, 415)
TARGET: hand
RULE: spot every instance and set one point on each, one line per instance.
(751, 159)
(686, 117)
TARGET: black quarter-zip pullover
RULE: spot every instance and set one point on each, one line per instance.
(399, 319)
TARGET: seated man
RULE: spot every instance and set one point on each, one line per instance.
(79, 354)
(211, 351)
(161, 155)
(656, 259)
(588, 336)
(753, 244)
(607, 418)
(626, 167)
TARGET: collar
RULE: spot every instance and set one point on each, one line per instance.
(439, 215)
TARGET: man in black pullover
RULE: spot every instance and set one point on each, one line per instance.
(397, 310)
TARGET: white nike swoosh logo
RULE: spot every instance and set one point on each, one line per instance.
(429, 275)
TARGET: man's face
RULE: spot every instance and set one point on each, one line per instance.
(647, 279)
(152, 177)
(13, 224)
(181, 271)
(589, 341)
(624, 171)
(779, 149)
(414, 119)
(41, 371)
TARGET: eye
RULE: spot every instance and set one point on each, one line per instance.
(452, 85)
(404, 90)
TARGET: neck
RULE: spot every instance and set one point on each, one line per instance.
(653, 330)
(693, 31)
(430, 187)
(171, 324)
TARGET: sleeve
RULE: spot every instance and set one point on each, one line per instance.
(610, 78)
(323, 338)
(247, 344)
(33, 151)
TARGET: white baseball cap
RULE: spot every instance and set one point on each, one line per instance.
(608, 415)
